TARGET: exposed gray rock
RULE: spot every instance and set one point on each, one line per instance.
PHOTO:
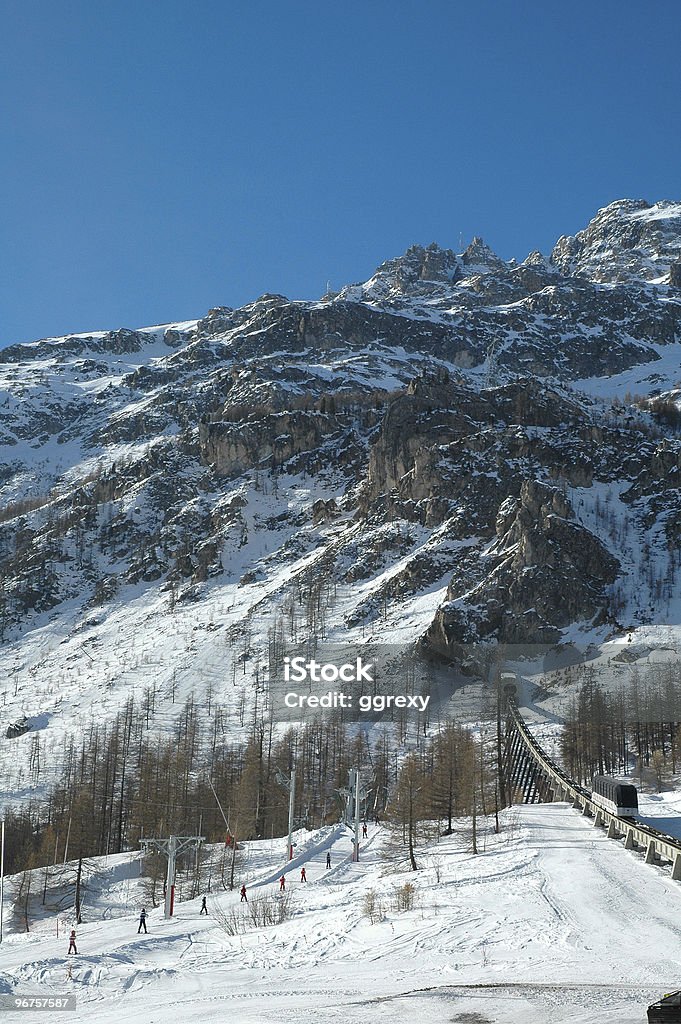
(627, 240)
(426, 415)
(544, 572)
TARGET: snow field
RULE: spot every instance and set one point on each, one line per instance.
(551, 920)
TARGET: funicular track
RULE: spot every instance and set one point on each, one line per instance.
(531, 776)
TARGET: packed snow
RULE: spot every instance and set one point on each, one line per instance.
(551, 921)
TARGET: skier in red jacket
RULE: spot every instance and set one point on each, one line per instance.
(243, 894)
(282, 883)
(303, 876)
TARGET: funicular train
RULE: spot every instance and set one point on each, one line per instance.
(617, 797)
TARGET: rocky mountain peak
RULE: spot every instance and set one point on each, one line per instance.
(538, 261)
(478, 258)
(121, 342)
(628, 240)
(417, 270)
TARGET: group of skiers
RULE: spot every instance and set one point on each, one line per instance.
(282, 881)
(204, 908)
(142, 922)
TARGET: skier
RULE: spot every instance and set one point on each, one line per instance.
(282, 884)
(143, 921)
(243, 894)
(303, 876)
(72, 942)
(364, 830)
(328, 859)
(204, 908)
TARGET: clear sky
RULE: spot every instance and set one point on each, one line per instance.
(160, 157)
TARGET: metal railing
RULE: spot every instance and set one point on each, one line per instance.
(658, 845)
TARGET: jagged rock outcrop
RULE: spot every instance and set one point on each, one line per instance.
(627, 240)
(543, 572)
(233, 448)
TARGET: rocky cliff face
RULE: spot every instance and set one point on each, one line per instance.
(543, 572)
(469, 449)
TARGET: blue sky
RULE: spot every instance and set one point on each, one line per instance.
(160, 158)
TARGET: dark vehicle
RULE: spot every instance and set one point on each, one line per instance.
(509, 684)
(617, 797)
(666, 1011)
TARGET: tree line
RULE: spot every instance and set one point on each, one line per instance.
(122, 780)
(632, 727)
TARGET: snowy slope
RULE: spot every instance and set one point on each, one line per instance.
(551, 921)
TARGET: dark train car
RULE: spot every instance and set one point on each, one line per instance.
(509, 684)
(617, 797)
(666, 1011)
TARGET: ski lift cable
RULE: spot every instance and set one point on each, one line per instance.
(210, 783)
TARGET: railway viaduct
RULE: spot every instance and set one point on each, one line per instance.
(530, 776)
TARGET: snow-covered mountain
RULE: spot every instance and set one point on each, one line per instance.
(461, 449)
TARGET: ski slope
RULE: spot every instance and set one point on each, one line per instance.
(550, 922)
